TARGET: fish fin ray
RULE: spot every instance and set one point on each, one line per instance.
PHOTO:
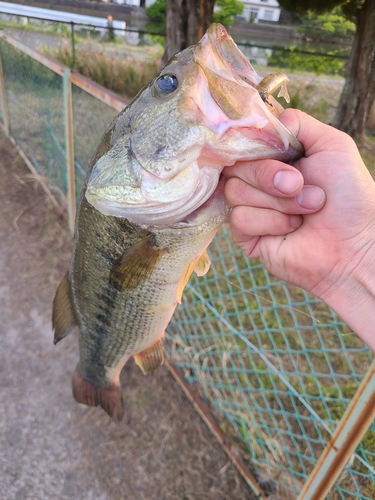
(109, 398)
(63, 319)
(203, 264)
(199, 266)
(184, 280)
(136, 265)
(151, 358)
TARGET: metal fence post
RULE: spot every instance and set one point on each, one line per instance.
(69, 145)
(4, 102)
(73, 44)
(354, 423)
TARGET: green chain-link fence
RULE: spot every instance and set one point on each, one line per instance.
(275, 361)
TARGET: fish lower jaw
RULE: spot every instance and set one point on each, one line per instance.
(215, 206)
(160, 212)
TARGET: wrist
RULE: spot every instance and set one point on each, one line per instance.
(352, 294)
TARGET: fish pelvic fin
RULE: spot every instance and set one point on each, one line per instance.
(200, 266)
(203, 264)
(63, 319)
(137, 264)
(151, 358)
(109, 398)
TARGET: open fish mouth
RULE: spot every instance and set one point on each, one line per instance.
(223, 112)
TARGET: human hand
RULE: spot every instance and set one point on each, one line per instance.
(311, 224)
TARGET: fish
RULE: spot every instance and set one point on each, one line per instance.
(152, 202)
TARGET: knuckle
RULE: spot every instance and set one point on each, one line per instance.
(235, 190)
(279, 222)
(260, 174)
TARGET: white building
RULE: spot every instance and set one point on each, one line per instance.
(254, 10)
(261, 10)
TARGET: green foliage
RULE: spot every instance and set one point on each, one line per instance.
(125, 77)
(228, 10)
(316, 63)
(301, 7)
(157, 12)
(330, 23)
(60, 29)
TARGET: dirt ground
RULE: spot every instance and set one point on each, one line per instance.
(50, 446)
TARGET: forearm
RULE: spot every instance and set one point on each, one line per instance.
(353, 299)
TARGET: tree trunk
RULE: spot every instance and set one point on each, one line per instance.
(359, 89)
(187, 20)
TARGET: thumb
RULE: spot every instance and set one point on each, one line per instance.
(315, 135)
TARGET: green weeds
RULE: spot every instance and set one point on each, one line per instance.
(125, 76)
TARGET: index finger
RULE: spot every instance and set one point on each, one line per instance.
(270, 176)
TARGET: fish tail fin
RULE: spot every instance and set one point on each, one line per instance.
(109, 398)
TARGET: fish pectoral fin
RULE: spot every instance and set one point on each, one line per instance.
(151, 358)
(203, 264)
(63, 319)
(136, 265)
(109, 398)
(184, 280)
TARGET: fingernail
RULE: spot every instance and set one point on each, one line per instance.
(295, 221)
(286, 181)
(310, 197)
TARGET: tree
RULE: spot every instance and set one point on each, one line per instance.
(187, 21)
(359, 89)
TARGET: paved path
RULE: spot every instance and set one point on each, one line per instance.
(52, 448)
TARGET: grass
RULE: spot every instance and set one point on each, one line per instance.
(126, 76)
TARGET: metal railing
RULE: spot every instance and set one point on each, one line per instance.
(295, 386)
(72, 22)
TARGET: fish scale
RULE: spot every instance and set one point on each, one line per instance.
(153, 200)
(128, 328)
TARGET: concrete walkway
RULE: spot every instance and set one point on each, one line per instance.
(52, 448)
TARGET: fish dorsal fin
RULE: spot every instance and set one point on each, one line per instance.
(203, 264)
(63, 319)
(137, 264)
(151, 358)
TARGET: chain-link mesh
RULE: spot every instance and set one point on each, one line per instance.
(91, 117)
(34, 100)
(279, 365)
(275, 361)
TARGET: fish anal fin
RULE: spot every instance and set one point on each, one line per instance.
(136, 265)
(203, 264)
(63, 319)
(109, 398)
(151, 358)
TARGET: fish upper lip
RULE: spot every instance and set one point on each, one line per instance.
(240, 76)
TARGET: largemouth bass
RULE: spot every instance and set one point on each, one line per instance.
(153, 200)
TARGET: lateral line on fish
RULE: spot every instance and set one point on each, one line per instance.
(264, 298)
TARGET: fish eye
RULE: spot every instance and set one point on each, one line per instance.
(167, 84)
